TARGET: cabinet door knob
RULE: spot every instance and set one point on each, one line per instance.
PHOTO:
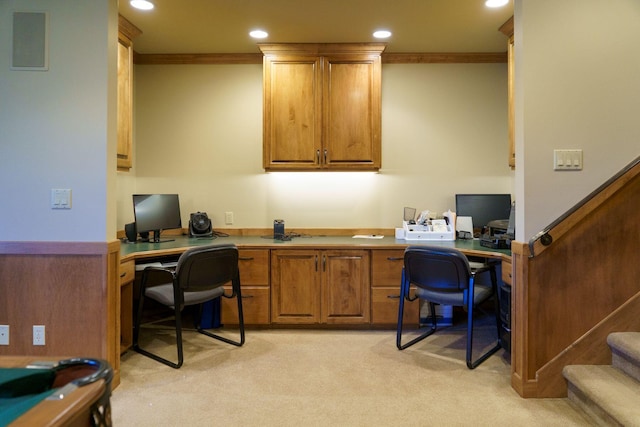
(325, 156)
(318, 156)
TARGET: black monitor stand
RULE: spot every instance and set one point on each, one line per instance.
(156, 238)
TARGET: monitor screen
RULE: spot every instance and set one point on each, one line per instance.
(156, 212)
(483, 208)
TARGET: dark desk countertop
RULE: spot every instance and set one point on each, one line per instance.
(145, 250)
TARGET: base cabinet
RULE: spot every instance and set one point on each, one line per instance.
(254, 282)
(320, 286)
(386, 274)
(125, 327)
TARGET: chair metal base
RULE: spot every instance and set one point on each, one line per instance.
(471, 364)
(178, 328)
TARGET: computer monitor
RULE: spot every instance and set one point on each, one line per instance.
(156, 212)
(483, 208)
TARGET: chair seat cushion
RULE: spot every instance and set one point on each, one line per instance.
(164, 295)
(481, 293)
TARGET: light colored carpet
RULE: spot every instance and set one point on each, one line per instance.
(326, 378)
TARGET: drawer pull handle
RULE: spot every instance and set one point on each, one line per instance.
(249, 258)
(392, 258)
(393, 296)
(247, 296)
(123, 274)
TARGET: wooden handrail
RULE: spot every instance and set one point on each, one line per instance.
(544, 236)
(574, 283)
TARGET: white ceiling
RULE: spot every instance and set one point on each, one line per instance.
(222, 26)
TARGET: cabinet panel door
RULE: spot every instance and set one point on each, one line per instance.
(292, 112)
(295, 286)
(352, 112)
(124, 117)
(345, 286)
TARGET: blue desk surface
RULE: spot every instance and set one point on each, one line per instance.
(145, 250)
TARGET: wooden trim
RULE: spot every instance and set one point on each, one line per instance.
(507, 27)
(256, 58)
(54, 248)
(268, 231)
(319, 49)
(196, 58)
(127, 28)
(445, 58)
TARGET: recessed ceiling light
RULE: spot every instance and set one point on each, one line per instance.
(382, 34)
(495, 3)
(141, 4)
(258, 34)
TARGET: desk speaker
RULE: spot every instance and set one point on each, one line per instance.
(278, 229)
(130, 232)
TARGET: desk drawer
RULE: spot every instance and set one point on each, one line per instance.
(384, 308)
(127, 272)
(254, 267)
(506, 272)
(255, 306)
(386, 267)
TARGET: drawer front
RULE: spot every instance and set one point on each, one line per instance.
(255, 306)
(506, 272)
(254, 267)
(384, 308)
(386, 267)
(127, 272)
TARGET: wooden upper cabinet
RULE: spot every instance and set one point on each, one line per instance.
(507, 30)
(322, 106)
(127, 31)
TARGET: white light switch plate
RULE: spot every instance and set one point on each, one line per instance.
(567, 160)
(60, 198)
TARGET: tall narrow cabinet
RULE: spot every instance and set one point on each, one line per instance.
(507, 30)
(322, 107)
(126, 33)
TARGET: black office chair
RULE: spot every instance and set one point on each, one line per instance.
(443, 276)
(198, 277)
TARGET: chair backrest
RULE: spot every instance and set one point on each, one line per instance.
(437, 269)
(207, 267)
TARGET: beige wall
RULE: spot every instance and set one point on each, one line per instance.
(198, 132)
(577, 86)
(58, 127)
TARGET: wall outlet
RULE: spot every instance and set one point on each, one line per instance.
(4, 334)
(228, 218)
(38, 335)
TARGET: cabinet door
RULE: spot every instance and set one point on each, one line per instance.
(292, 112)
(295, 286)
(124, 117)
(345, 286)
(351, 133)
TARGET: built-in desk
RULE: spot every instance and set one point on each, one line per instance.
(338, 280)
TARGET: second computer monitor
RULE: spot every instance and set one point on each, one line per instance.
(483, 208)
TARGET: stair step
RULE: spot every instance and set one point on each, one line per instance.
(625, 351)
(604, 393)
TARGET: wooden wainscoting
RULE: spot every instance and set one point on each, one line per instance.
(69, 287)
(570, 294)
